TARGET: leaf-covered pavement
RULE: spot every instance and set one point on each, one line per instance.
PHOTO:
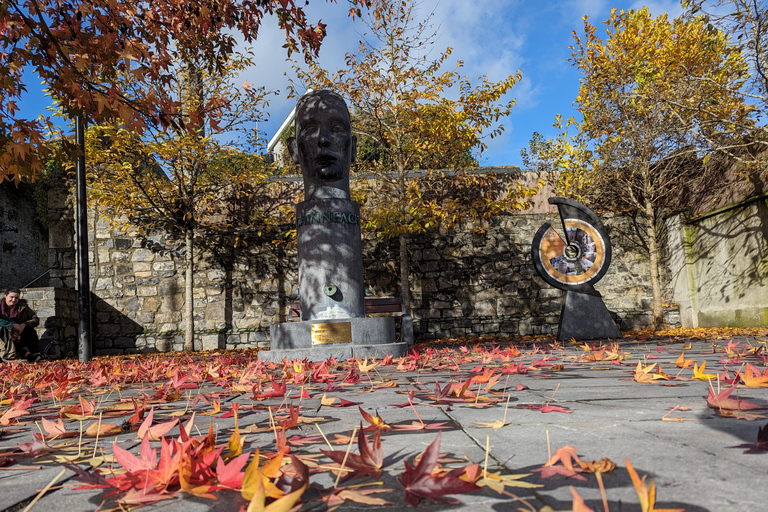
(510, 424)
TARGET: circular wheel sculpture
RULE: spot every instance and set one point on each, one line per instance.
(574, 263)
(579, 260)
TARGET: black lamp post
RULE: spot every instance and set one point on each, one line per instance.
(83, 274)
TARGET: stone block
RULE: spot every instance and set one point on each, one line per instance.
(46, 312)
(145, 317)
(151, 304)
(485, 308)
(142, 266)
(257, 336)
(146, 291)
(103, 283)
(163, 265)
(210, 341)
(122, 244)
(61, 234)
(124, 342)
(120, 257)
(142, 255)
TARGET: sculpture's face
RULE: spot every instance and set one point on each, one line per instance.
(325, 147)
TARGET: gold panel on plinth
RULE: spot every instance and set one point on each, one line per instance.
(331, 333)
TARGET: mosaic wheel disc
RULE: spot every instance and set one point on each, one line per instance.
(581, 257)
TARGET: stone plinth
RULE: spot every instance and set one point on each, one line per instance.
(369, 337)
(330, 259)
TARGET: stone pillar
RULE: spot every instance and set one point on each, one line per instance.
(330, 259)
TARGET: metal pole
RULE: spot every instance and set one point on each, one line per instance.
(83, 274)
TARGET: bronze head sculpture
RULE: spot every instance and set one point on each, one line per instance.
(324, 146)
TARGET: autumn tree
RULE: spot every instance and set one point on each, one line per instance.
(181, 181)
(414, 114)
(632, 149)
(745, 22)
(91, 54)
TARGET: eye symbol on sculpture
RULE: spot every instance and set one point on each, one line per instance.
(330, 290)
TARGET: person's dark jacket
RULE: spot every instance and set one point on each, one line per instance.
(27, 316)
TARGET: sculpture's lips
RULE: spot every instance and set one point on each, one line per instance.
(325, 160)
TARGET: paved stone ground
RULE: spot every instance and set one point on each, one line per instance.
(701, 460)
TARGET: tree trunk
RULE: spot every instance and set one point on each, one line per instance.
(653, 253)
(189, 319)
(405, 268)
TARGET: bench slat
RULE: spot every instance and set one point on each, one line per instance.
(372, 305)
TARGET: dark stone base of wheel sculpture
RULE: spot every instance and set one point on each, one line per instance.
(574, 264)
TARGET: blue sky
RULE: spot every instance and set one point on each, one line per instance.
(492, 37)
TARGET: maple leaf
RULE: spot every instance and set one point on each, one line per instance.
(495, 425)
(698, 372)
(84, 409)
(142, 497)
(376, 423)
(420, 483)
(683, 363)
(646, 494)
(484, 378)
(644, 373)
(291, 420)
(297, 440)
(498, 482)
(603, 465)
(741, 415)
(133, 464)
(752, 378)
(282, 504)
(157, 431)
(99, 429)
(420, 425)
(760, 446)
(545, 408)
(364, 366)
(723, 400)
(337, 496)
(368, 462)
(235, 442)
(15, 411)
(567, 456)
(578, 503)
(138, 412)
(216, 404)
(56, 430)
(278, 390)
(231, 475)
(35, 447)
(256, 476)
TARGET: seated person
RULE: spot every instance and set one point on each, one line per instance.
(23, 320)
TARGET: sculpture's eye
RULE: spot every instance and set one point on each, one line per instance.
(338, 126)
(309, 128)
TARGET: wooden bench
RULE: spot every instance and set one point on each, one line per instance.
(377, 305)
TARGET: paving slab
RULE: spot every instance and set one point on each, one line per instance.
(700, 460)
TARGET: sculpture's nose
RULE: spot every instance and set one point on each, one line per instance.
(324, 140)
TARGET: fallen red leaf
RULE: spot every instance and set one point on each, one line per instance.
(420, 483)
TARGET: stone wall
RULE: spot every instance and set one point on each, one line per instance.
(57, 310)
(719, 265)
(475, 280)
(23, 239)
(480, 280)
